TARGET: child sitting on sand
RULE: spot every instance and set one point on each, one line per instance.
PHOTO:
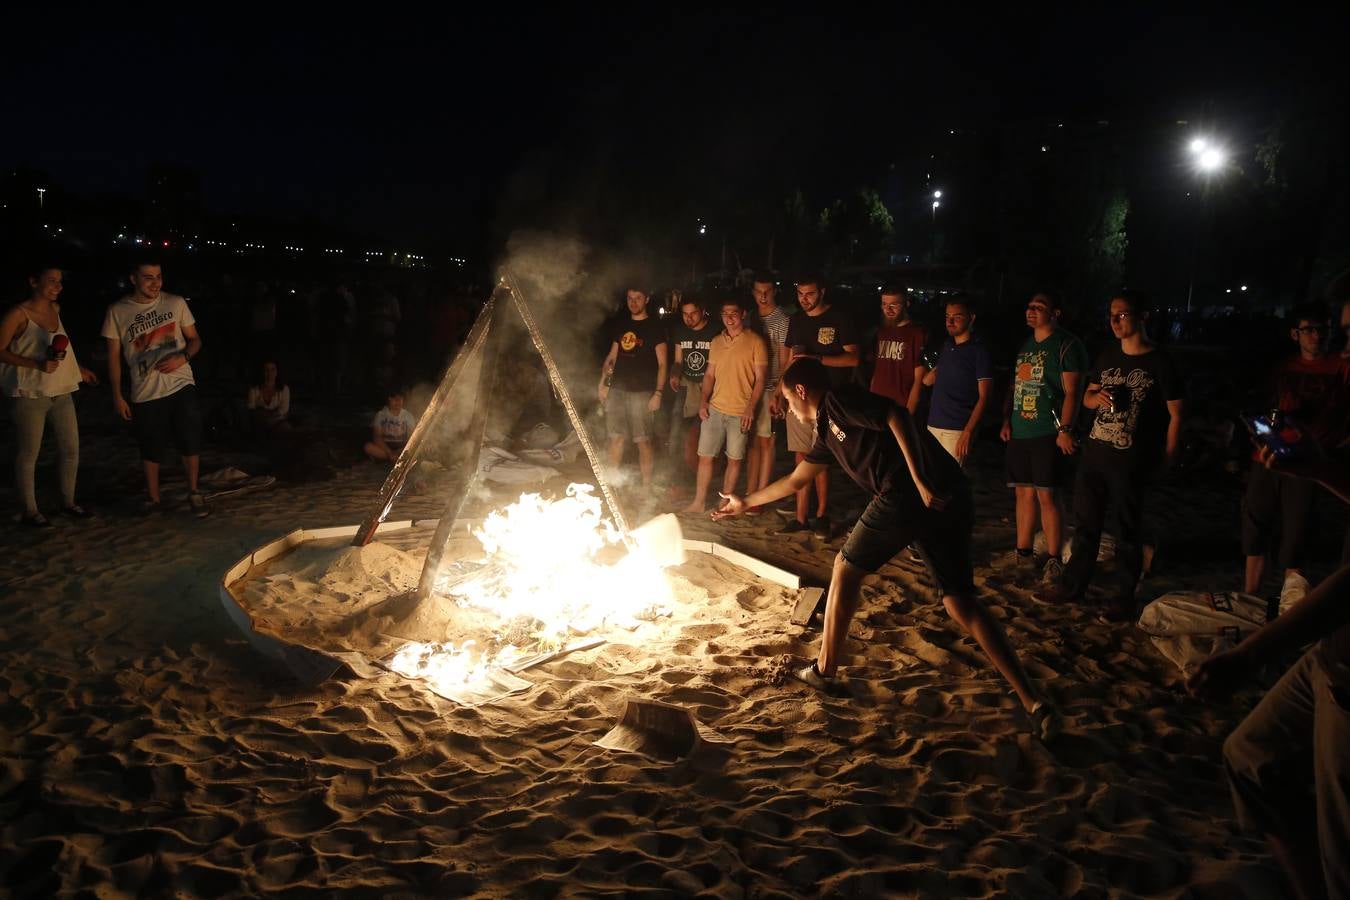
(390, 429)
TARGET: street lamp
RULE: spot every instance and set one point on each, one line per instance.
(40, 192)
(932, 239)
(1209, 160)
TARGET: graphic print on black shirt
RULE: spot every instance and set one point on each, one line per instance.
(1135, 426)
(635, 366)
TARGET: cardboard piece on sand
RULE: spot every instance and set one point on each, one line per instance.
(661, 540)
(808, 599)
(658, 730)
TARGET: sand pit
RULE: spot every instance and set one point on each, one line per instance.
(358, 604)
(147, 749)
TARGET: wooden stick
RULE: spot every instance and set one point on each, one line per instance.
(471, 442)
(393, 483)
(555, 376)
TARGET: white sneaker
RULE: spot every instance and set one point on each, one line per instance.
(1294, 589)
(811, 677)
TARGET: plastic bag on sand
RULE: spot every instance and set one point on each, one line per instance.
(504, 467)
(1188, 627)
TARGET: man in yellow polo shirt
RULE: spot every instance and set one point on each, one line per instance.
(738, 364)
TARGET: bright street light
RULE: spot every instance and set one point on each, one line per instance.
(1211, 160)
(937, 195)
(1199, 145)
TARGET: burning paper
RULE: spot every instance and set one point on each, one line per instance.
(551, 570)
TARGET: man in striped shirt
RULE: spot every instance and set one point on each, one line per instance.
(772, 323)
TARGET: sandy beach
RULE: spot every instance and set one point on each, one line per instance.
(149, 750)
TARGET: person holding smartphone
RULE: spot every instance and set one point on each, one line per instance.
(1311, 388)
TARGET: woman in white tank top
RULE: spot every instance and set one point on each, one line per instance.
(39, 373)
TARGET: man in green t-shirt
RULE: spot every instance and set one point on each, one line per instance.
(1038, 418)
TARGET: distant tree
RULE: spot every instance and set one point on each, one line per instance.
(856, 228)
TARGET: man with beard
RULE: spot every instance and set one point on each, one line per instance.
(828, 336)
(773, 326)
(632, 380)
(898, 372)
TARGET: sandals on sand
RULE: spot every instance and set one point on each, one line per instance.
(1046, 722)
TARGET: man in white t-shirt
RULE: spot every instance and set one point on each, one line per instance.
(156, 334)
(390, 429)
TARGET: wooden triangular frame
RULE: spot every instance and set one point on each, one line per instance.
(477, 347)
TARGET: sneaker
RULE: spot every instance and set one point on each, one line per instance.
(1012, 561)
(820, 527)
(1294, 589)
(37, 520)
(197, 501)
(1006, 559)
(1052, 571)
(811, 677)
(150, 507)
(75, 511)
(1046, 722)
(793, 527)
(1057, 593)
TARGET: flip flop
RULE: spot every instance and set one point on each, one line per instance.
(1046, 721)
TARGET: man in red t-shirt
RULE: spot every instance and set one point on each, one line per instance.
(898, 352)
(1313, 387)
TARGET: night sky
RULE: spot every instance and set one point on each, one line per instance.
(452, 128)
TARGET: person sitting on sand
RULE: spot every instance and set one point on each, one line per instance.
(390, 429)
(269, 402)
(918, 494)
(1296, 736)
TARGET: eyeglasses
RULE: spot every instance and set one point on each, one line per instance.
(1120, 316)
(1311, 329)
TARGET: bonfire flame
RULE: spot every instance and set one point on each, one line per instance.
(541, 579)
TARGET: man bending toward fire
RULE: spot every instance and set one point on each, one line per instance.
(919, 494)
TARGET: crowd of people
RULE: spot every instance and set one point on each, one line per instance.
(897, 411)
(1100, 430)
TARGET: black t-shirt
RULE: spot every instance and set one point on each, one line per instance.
(851, 429)
(824, 335)
(635, 367)
(1134, 433)
(695, 346)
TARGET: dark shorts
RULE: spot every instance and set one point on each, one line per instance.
(1036, 462)
(890, 523)
(173, 420)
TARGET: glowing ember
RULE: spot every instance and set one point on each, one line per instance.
(444, 665)
(541, 578)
